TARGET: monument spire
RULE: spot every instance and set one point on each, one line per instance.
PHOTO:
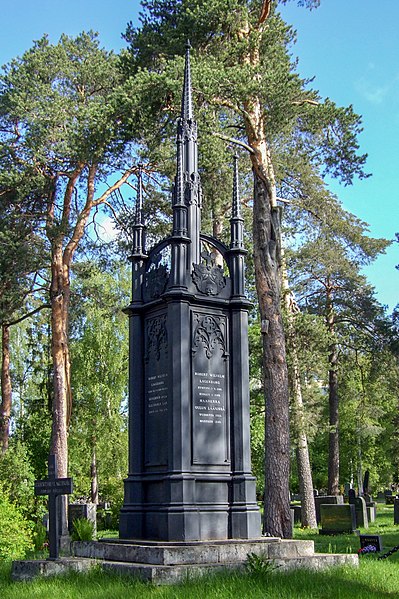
(236, 221)
(188, 185)
(187, 101)
(139, 226)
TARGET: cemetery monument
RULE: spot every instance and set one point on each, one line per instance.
(189, 447)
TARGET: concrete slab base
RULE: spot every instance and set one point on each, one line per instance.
(29, 569)
(168, 563)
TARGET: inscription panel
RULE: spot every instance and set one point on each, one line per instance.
(156, 391)
(210, 385)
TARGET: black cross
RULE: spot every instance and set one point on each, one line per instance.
(53, 487)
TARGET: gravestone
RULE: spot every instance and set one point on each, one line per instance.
(326, 499)
(371, 511)
(297, 510)
(373, 540)
(381, 497)
(360, 509)
(82, 510)
(337, 519)
(396, 511)
(361, 512)
(53, 487)
(189, 443)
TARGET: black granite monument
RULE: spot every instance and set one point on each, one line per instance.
(189, 448)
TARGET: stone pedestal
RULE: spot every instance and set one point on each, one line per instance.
(165, 563)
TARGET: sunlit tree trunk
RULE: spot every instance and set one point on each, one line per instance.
(333, 402)
(308, 510)
(6, 389)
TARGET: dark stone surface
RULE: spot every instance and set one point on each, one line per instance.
(336, 519)
(326, 499)
(373, 540)
(396, 511)
(297, 509)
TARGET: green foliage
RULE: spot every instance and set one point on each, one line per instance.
(259, 565)
(83, 530)
(15, 531)
(99, 378)
(17, 480)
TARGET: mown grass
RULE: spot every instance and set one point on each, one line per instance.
(374, 579)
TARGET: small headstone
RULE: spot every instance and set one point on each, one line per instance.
(390, 499)
(381, 497)
(53, 487)
(361, 512)
(352, 496)
(347, 487)
(326, 499)
(371, 511)
(292, 520)
(297, 513)
(315, 492)
(396, 511)
(337, 519)
(82, 510)
(373, 540)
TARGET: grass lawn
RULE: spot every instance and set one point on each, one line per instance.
(374, 579)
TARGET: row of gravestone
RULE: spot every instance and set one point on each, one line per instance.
(336, 516)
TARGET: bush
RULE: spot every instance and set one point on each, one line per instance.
(17, 479)
(15, 531)
(82, 530)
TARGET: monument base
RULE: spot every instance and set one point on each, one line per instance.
(24, 570)
(167, 563)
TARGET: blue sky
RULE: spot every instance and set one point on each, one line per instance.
(350, 46)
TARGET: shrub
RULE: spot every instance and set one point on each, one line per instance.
(18, 479)
(15, 531)
(82, 530)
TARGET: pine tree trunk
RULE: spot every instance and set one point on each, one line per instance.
(333, 401)
(333, 457)
(6, 389)
(308, 510)
(277, 517)
(61, 364)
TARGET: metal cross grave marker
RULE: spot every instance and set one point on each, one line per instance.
(53, 487)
